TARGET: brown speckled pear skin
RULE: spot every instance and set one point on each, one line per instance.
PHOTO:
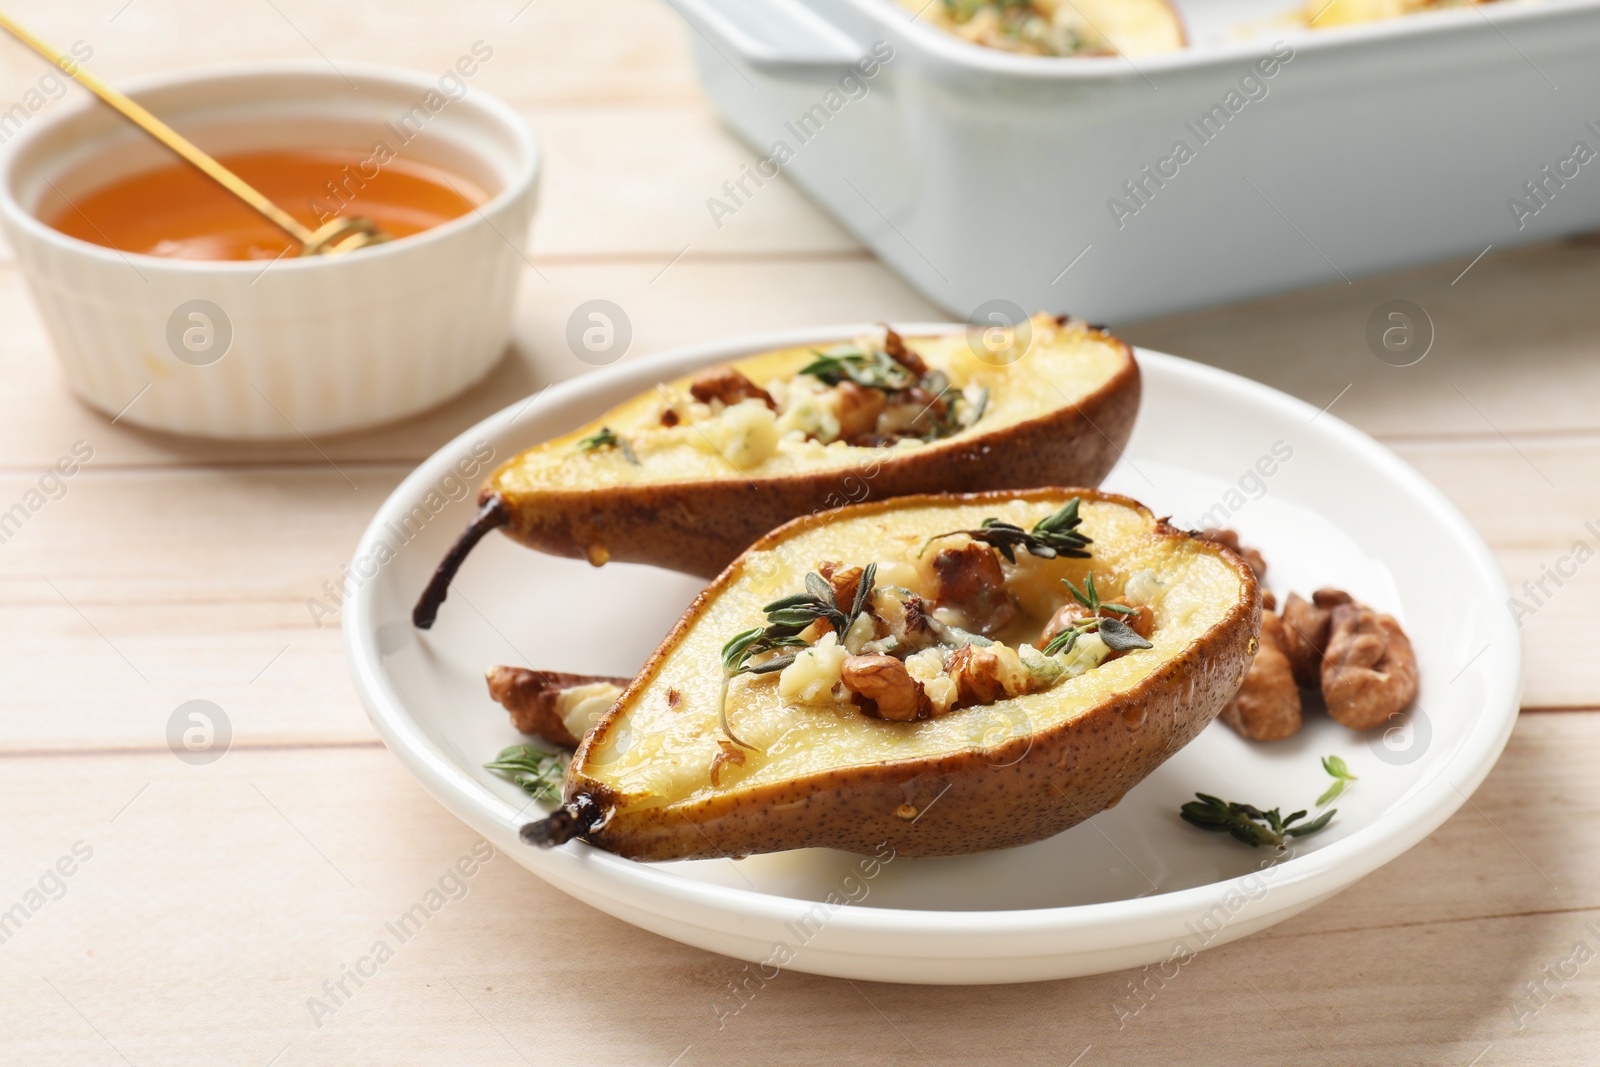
(697, 527)
(1027, 789)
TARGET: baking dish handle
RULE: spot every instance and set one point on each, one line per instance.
(775, 36)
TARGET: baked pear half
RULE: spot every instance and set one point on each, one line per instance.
(688, 474)
(943, 674)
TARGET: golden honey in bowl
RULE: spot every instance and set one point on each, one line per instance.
(177, 212)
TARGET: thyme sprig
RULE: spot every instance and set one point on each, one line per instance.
(1118, 635)
(870, 370)
(1052, 536)
(960, 412)
(605, 437)
(895, 369)
(1341, 777)
(1089, 597)
(1247, 823)
(787, 618)
(537, 772)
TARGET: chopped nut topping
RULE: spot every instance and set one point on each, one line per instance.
(885, 688)
(1142, 621)
(970, 582)
(976, 672)
(844, 580)
(859, 409)
(895, 345)
(1066, 616)
(727, 385)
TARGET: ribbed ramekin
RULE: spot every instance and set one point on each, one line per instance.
(298, 346)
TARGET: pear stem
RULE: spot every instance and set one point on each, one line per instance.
(573, 819)
(494, 514)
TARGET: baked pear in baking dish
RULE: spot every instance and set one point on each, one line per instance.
(1060, 27)
(1325, 14)
(942, 674)
(687, 474)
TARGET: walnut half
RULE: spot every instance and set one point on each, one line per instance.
(885, 688)
(1267, 705)
(859, 408)
(1306, 632)
(970, 582)
(540, 702)
(846, 581)
(1369, 669)
(728, 385)
(976, 673)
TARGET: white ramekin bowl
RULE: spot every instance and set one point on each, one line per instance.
(301, 346)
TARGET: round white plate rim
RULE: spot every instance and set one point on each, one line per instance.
(1310, 876)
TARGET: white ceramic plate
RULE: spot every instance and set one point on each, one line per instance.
(1133, 885)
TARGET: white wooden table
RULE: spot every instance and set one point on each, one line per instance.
(208, 905)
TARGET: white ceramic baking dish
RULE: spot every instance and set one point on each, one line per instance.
(981, 175)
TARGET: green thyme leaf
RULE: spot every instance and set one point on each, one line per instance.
(793, 601)
(797, 616)
(1341, 777)
(863, 592)
(1064, 519)
(738, 650)
(1085, 596)
(1120, 637)
(1064, 641)
(605, 437)
(776, 663)
(1314, 825)
(870, 370)
(960, 412)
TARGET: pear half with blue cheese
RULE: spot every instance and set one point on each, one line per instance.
(688, 474)
(707, 754)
